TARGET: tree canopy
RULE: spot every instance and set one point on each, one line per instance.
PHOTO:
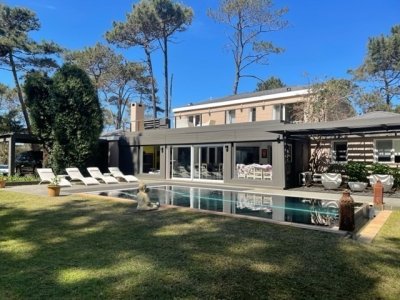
(18, 52)
(381, 67)
(117, 80)
(69, 107)
(270, 84)
(249, 21)
(330, 100)
(148, 22)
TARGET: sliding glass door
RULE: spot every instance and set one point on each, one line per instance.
(203, 162)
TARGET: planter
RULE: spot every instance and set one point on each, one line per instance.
(357, 186)
(53, 190)
(2, 184)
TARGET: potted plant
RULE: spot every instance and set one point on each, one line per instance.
(53, 189)
(357, 176)
(2, 181)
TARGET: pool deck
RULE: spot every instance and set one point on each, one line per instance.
(366, 234)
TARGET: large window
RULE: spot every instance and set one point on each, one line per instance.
(151, 159)
(253, 161)
(180, 161)
(208, 162)
(339, 151)
(387, 150)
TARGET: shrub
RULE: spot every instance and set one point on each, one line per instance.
(336, 168)
(357, 171)
(377, 168)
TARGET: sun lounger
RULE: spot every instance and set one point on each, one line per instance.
(46, 176)
(76, 175)
(95, 173)
(120, 176)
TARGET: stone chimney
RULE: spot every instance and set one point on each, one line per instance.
(137, 117)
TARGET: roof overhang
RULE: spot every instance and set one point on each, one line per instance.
(343, 127)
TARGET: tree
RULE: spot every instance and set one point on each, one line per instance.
(10, 114)
(116, 79)
(249, 21)
(18, 52)
(37, 89)
(152, 20)
(330, 101)
(140, 29)
(327, 101)
(123, 82)
(172, 17)
(270, 84)
(68, 104)
(381, 66)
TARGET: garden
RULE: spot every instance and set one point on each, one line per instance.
(79, 248)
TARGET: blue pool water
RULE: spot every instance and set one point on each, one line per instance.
(278, 208)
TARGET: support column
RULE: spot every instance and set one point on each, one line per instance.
(11, 155)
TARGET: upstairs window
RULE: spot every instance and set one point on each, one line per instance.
(194, 120)
(252, 114)
(230, 117)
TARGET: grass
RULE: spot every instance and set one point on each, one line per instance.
(70, 247)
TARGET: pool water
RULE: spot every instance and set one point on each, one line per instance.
(278, 208)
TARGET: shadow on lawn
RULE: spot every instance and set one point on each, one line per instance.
(88, 249)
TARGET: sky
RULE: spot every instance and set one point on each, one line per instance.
(324, 40)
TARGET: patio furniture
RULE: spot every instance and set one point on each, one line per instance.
(46, 176)
(95, 173)
(386, 180)
(115, 171)
(76, 175)
(331, 181)
(254, 171)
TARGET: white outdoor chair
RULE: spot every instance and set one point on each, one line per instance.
(120, 176)
(331, 181)
(387, 181)
(46, 176)
(76, 175)
(95, 173)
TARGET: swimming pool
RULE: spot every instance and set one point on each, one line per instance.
(308, 211)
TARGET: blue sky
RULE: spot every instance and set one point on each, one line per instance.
(324, 40)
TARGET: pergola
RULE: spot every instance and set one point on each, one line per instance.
(12, 139)
(372, 123)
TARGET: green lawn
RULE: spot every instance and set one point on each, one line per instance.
(71, 247)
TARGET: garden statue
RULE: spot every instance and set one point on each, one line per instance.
(143, 199)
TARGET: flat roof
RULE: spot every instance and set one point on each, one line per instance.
(374, 122)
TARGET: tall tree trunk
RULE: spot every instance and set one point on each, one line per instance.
(166, 87)
(236, 83)
(153, 84)
(238, 53)
(19, 91)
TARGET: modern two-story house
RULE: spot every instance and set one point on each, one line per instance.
(252, 139)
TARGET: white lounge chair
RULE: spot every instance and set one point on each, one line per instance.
(120, 176)
(95, 173)
(331, 181)
(76, 175)
(46, 176)
(387, 181)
